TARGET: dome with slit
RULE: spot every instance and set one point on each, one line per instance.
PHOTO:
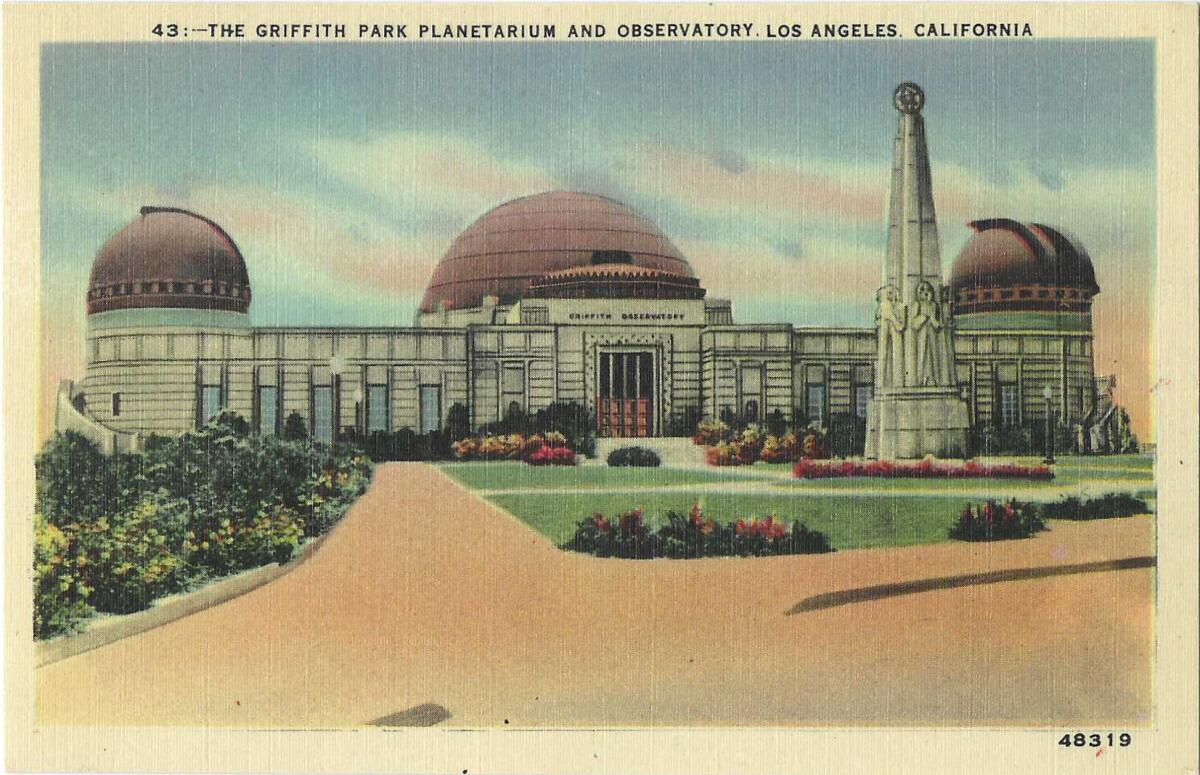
(510, 246)
(169, 258)
(1011, 266)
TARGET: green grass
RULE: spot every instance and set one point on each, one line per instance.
(514, 475)
(850, 523)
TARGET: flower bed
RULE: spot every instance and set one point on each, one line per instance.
(993, 522)
(692, 535)
(929, 468)
(507, 446)
(749, 446)
(551, 456)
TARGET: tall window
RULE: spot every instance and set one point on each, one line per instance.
(116, 404)
(322, 413)
(814, 403)
(815, 394)
(1008, 397)
(268, 409)
(431, 408)
(1009, 405)
(751, 392)
(512, 385)
(861, 389)
(210, 402)
(377, 408)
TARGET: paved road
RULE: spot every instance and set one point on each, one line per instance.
(428, 605)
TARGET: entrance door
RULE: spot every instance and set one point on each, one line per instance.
(625, 394)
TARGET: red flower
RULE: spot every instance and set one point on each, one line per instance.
(696, 514)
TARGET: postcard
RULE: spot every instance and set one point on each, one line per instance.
(601, 387)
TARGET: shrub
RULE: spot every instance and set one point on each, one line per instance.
(928, 468)
(847, 436)
(777, 424)
(993, 522)
(407, 444)
(627, 538)
(573, 421)
(633, 456)
(131, 558)
(684, 423)
(205, 503)
(1104, 507)
(551, 456)
(778, 449)
(59, 595)
(294, 428)
(711, 432)
(692, 535)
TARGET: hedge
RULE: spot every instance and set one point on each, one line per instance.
(112, 534)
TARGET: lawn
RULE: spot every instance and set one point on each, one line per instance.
(514, 475)
(850, 523)
(859, 513)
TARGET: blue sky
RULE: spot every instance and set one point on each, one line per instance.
(343, 171)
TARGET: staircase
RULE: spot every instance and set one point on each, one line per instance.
(673, 451)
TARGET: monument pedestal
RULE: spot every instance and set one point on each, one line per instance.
(912, 422)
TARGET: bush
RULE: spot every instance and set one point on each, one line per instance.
(294, 428)
(131, 558)
(551, 456)
(691, 536)
(205, 503)
(59, 595)
(684, 423)
(407, 444)
(1105, 507)
(847, 435)
(992, 522)
(571, 420)
(711, 432)
(633, 456)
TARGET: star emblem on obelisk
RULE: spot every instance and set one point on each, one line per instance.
(909, 98)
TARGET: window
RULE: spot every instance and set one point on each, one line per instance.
(116, 404)
(512, 384)
(322, 413)
(268, 410)
(1010, 413)
(861, 388)
(377, 408)
(210, 402)
(752, 384)
(814, 403)
(431, 408)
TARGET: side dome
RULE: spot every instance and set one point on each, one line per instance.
(1009, 266)
(503, 251)
(171, 258)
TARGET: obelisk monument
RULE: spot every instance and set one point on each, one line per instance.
(917, 408)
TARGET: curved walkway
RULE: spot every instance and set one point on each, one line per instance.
(428, 605)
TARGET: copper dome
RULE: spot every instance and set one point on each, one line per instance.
(169, 257)
(1007, 265)
(511, 245)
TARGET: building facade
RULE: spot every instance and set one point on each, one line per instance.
(555, 297)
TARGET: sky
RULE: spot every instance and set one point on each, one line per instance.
(344, 171)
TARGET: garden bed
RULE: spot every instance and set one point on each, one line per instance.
(929, 468)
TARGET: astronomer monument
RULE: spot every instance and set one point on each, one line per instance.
(916, 408)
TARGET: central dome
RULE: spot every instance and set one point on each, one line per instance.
(509, 246)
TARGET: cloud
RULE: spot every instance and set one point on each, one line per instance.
(419, 169)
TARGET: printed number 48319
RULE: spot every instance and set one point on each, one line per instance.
(1080, 740)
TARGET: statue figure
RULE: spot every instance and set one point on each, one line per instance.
(889, 364)
(925, 336)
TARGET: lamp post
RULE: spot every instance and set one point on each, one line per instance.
(1048, 394)
(358, 410)
(337, 364)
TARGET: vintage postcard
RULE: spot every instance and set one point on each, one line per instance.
(583, 387)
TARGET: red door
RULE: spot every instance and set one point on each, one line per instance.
(624, 395)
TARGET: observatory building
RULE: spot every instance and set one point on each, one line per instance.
(560, 296)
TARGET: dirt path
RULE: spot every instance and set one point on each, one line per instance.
(427, 601)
